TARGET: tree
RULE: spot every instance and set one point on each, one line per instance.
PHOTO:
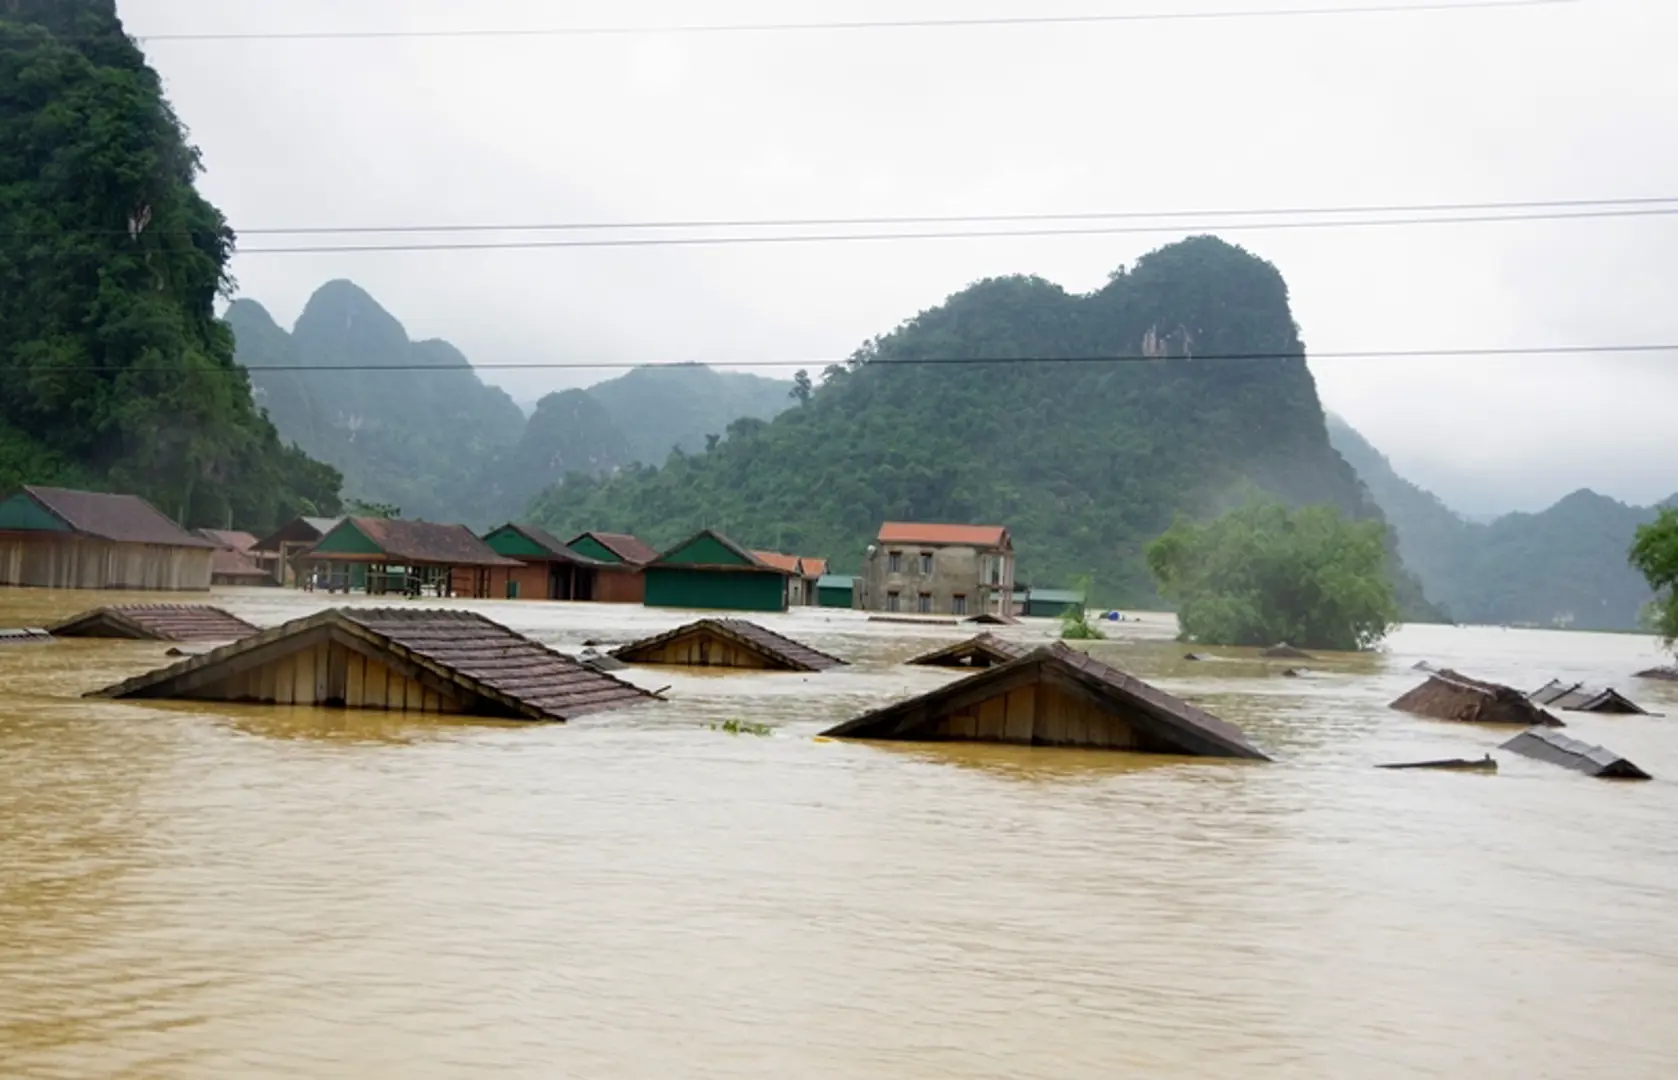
(1654, 552)
(1262, 574)
(801, 388)
(121, 375)
(357, 508)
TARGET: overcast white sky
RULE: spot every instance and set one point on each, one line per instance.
(1570, 101)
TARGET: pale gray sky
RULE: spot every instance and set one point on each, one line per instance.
(1570, 101)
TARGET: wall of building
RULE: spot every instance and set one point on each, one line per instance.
(59, 561)
(714, 590)
(619, 587)
(955, 572)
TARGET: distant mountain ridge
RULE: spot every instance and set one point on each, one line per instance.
(447, 446)
(1565, 566)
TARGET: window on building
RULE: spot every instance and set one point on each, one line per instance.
(894, 602)
(958, 604)
(925, 605)
(926, 564)
(995, 570)
(894, 562)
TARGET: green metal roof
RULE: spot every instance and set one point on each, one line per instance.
(835, 581)
(1057, 596)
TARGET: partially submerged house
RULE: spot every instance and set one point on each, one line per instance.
(984, 651)
(708, 571)
(1448, 695)
(1576, 697)
(233, 563)
(156, 622)
(727, 643)
(412, 557)
(55, 538)
(548, 569)
(279, 549)
(929, 569)
(455, 663)
(1055, 696)
(835, 590)
(1051, 603)
(1558, 749)
(792, 566)
(1660, 674)
(621, 556)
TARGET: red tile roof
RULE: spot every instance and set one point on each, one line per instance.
(904, 532)
(814, 567)
(785, 563)
(122, 519)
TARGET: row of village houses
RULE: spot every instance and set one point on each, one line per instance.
(56, 538)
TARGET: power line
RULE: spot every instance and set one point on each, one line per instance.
(896, 24)
(855, 237)
(1120, 358)
(938, 219)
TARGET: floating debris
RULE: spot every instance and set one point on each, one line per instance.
(1448, 695)
(729, 643)
(156, 622)
(991, 618)
(23, 634)
(1284, 651)
(1558, 749)
(1422, 665)
(451, 662)
(1484, 764)
(909, 620)
(1193, 657)
(1576, 698)
(1295, 673)
(1055, 696)
(986, 650)
(600, 661)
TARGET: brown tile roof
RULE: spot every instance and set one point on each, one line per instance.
(904, 532)
(778, 649)
(790, 564)
(987, 648)
(1448, 695)
(234, 564)
(231, 539)
(626, 547)
(505, 674)
(123, 519)
(424, 542)
(156, 622)
(1167, 721)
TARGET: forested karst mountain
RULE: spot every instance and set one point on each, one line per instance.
(430, 436)
(408, 436)
(1087, 462)
(678, 405)
(122, 376)
(1564, 566)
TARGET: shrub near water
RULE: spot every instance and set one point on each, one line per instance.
(1263, 574)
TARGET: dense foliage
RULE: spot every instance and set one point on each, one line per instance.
(1263, 574)
(1655, 554)
(118, 374)
(1564, 566)
(1085, 461)
(444, 445)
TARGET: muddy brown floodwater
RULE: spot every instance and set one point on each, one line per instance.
(211, 892)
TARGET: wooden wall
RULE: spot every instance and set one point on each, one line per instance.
(78, 563)
(701, 649)
(1038, 714)
(328, 673)
(619, 586)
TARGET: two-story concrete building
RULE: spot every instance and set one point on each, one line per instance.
(919, 569)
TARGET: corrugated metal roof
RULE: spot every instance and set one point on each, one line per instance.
(123, 519)
(506, 675)
(550, 544)
(425, 542)
(1576, 697)
(1056, 596)
(1167, 721)
(1558, 749)
(835, 581)
(156, 622)
(909, 532)
(783, 651)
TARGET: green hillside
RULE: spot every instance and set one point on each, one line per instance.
(1087, 462)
